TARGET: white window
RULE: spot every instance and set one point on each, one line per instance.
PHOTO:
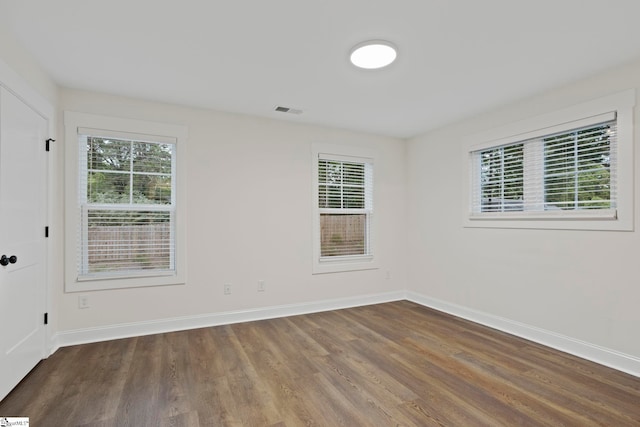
(343, 206)
(572, 170)
(575, 171)
(123, 227)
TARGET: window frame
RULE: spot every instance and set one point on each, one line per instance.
(621, 219)
(349, 262)
(76, 124)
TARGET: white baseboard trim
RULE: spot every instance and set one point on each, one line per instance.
(604, 356)
(127, 330)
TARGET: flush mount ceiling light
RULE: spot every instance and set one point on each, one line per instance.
(373, 54)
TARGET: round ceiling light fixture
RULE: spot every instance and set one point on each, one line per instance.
(373, 54)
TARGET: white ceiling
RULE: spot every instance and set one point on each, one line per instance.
(456, 57)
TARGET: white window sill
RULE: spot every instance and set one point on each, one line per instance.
(601, 214)
(99, 283)
(342, 264)
(609, 221)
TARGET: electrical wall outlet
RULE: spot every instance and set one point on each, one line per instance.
(227, 288)
(261, 286)
(83, 302)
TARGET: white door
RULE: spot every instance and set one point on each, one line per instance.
(22, 239)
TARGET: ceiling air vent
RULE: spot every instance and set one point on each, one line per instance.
(287, 110)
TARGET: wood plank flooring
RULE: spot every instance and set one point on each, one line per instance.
(394, 364)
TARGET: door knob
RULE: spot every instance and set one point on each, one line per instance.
(4, 260)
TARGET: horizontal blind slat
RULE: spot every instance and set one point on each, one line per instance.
(574, 170)
(345, 202)
(127, 205)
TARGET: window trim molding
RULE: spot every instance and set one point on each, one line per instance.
(342, 263)
(73, 122)
(622, 104)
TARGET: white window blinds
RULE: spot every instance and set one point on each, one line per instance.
(570, 171)
(127, 205)
(345, 204)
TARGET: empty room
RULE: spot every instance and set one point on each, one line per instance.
(294, 213)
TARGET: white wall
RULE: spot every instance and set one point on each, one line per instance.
(14, 55)
(249, 217)
(579, 284)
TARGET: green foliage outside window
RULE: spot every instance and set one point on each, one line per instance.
(341, 185)
(577, 169)
(569, 171)
(128, 172)
(502, 178)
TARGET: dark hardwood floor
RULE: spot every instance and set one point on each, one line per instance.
(380, 365)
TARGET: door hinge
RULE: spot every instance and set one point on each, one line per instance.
(46, 231)
(48, 143)
(46, 318)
